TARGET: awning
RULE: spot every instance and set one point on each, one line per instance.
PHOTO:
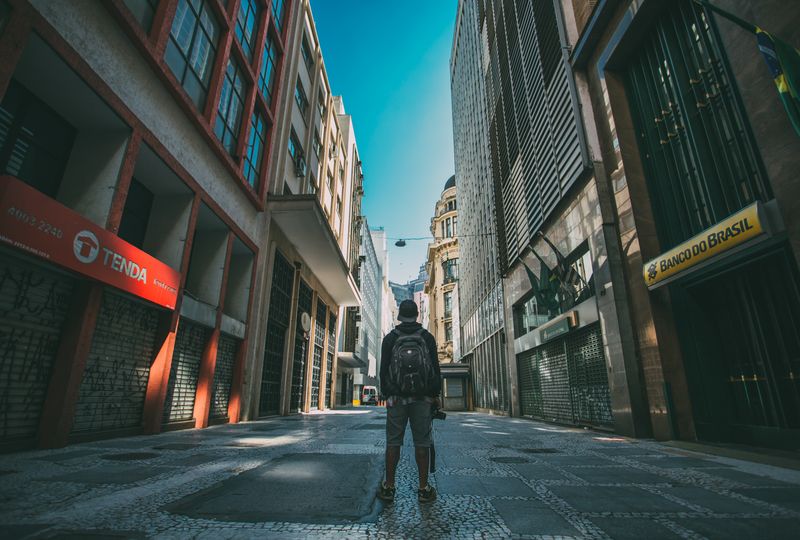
(302, 220)
(452, 369)
(348, 359)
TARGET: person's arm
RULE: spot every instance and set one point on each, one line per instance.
(437, 384)
(386, 357)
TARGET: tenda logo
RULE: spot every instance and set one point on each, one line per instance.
(86, 247)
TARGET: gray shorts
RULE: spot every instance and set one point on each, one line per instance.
(416, 412)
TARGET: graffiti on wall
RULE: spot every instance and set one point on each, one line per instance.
(33, 307)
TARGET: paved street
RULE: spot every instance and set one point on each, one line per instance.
(314, 476)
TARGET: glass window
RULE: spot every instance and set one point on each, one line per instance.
(231, 104)
(192, 47)
(298, 156)
(448, 304)
(143, 11)
(317, 143)
(449, 228)
(266, 79)
(455, 219)
(277, 13)
(321, 105)
(529, 315)
(256, 144)
(247, 24)
(35, 142)
(448, 331)
(308, 56)
(450, 267)
(300, 98)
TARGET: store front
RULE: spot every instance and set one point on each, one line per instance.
(729, 272)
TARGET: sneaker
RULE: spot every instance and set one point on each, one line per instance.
(386, 493)
(426, 495)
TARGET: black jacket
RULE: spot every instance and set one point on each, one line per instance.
(386, 357)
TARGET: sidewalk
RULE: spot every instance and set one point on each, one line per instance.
(314, 476)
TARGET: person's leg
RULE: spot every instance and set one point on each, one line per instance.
(396, 420)
(392, 458)
(423, 457)
(419, 415)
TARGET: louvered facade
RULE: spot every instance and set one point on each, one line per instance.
(535, 137)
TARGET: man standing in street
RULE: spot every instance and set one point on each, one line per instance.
(411, 383)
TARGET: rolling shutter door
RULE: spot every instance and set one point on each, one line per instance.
(300, 343)
(33, 306)
(329, 364)
(319, 347)
(277, 325)
(114, 382)
(223, 375)
(591, 397)
(565, 380)
(186, 357)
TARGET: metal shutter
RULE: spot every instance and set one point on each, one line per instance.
(591, 397)
(304, 299)
(319, 344)
(114, 382)
(186, 357)
(33, 306)
(329, 365)
(566, 381)
(277, 324)
(223, 375)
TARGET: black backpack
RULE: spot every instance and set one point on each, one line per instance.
(411, 368)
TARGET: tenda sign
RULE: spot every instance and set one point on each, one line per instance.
(35, 223)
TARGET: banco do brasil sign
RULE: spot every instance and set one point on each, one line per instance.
(742, 227)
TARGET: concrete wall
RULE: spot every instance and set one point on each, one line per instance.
(86, 27)
(91, 173)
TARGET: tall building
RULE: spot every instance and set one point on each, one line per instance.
(441, 289)
(566, 330)
(480, 301)
(180, 231)
(309, 221)
(692, 143)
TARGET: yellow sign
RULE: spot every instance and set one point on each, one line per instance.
(733, 231)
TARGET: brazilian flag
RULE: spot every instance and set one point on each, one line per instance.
(783, 61)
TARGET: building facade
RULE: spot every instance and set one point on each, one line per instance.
(309, 211)
(480, 299)
(565, 330)
(149, 139)
(441, 289)
(692, 139)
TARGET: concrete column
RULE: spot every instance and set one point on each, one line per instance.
(65, 382)
(208, 363)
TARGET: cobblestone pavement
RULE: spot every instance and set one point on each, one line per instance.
(497, 478)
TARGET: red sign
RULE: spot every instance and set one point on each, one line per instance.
(37, 224)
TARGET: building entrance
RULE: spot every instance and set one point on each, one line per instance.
(741, 342)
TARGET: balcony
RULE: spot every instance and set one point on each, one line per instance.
(303, 221)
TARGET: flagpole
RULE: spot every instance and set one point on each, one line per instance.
(730, 16)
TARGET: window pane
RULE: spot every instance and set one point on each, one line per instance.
(266, 78)
(246, 24)
(193, 41)
(255, 149)
(231, 104)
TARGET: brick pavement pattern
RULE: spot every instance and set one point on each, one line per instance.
(314, 476)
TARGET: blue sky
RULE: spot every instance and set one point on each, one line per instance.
(390, 62)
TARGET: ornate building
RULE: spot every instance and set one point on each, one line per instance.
(441, 288)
